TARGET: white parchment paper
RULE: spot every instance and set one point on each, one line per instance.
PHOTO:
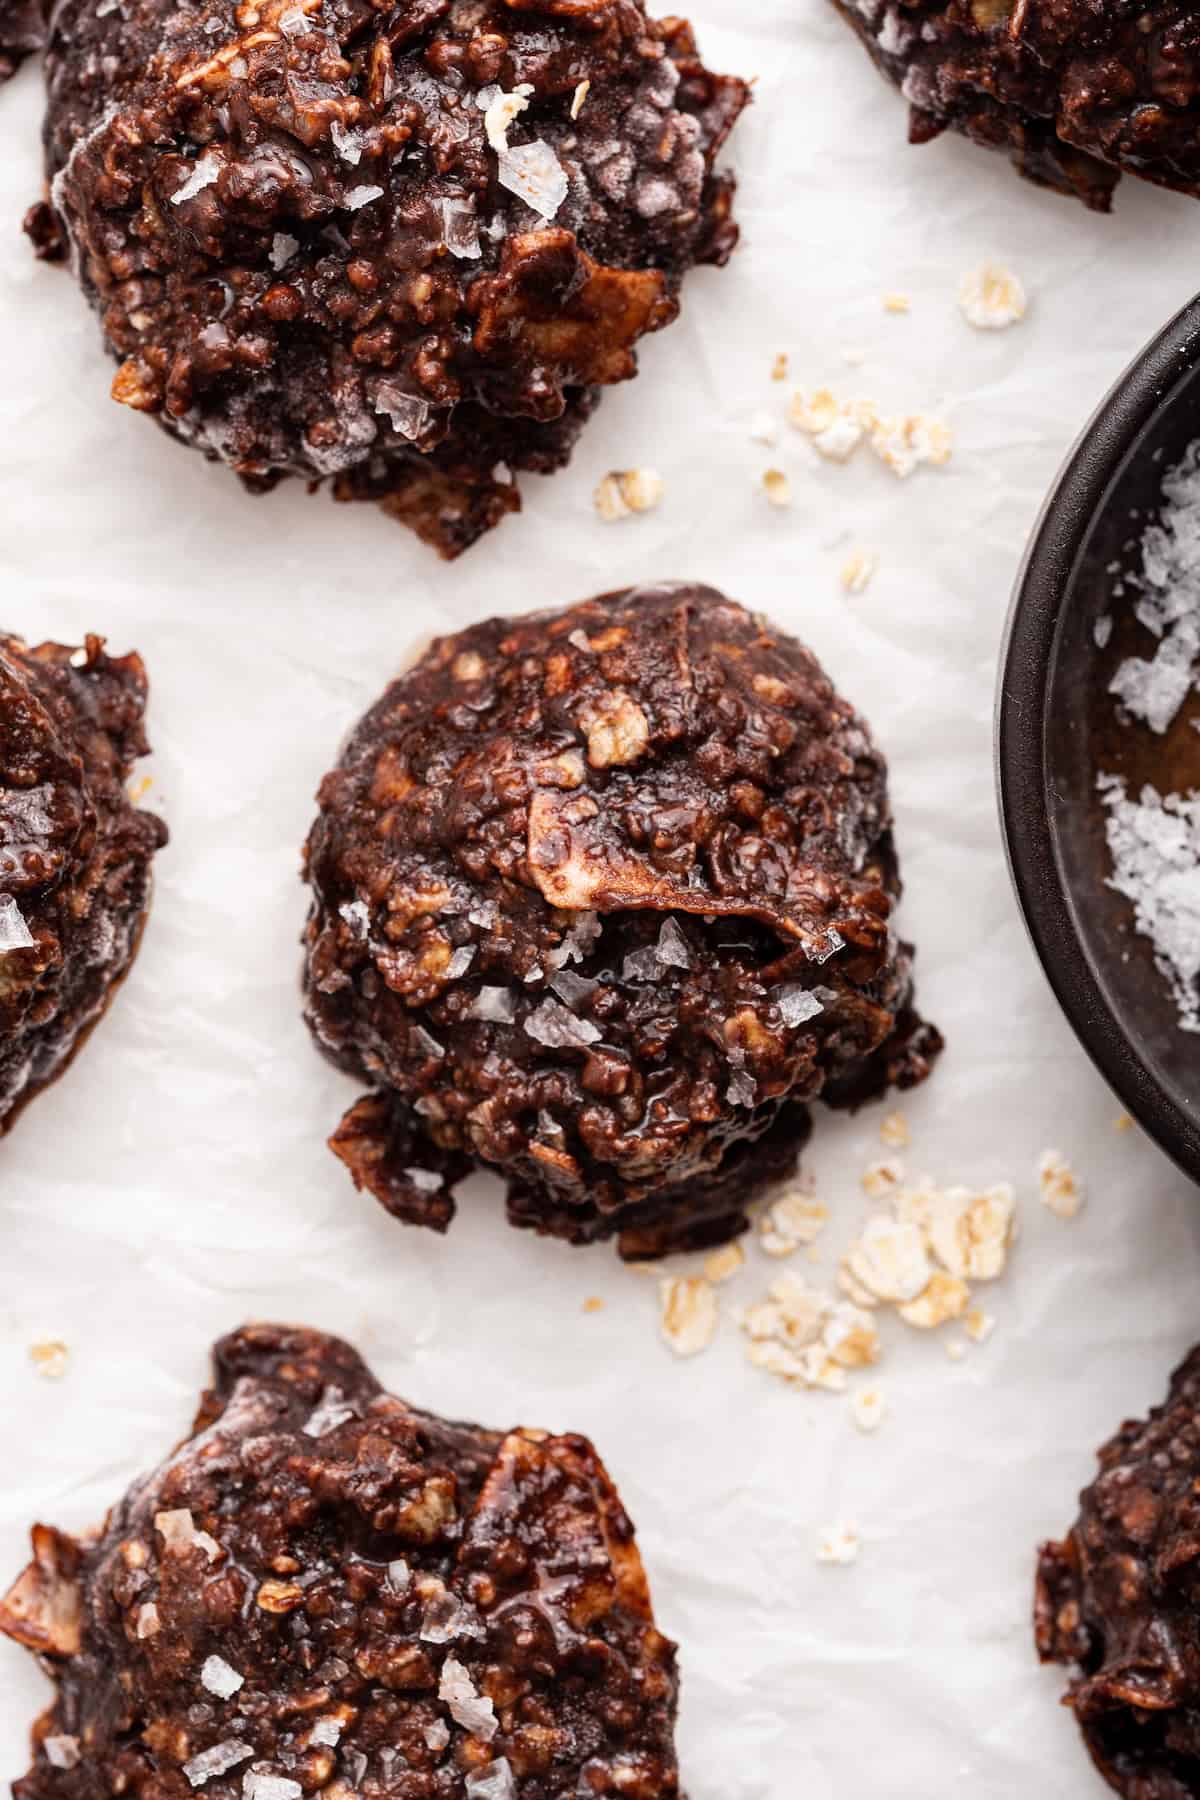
(175, 1183)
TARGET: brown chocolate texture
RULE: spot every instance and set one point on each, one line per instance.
(602, 899)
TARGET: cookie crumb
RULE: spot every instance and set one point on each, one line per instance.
(897, 303)
(893, 1131)
(593, 1304)
(724, 1264)
(623, 492)
(689, 1313)
(838, 1545)
(777, 488)
(955, 1349)
(858, 571)
(50, 1357)
(991, 297)
(1122, 1122)
(779, 368)
(868, 1407)
(979, 1325)
(1061, 1191)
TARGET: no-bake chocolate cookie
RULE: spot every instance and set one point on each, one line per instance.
(1116, 1601)
(399, 249)
(324, 1590)
(75, 852)
(1074, 91)
(603, 899)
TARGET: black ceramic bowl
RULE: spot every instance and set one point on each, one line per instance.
(1057, 728)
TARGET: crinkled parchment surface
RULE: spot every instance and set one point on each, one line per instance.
(176, 1184)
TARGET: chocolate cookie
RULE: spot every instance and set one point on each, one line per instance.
(325, 1590)
(74, 852)
(399, 250)
(602, 899)
(1074, 91)
(1116, 1600)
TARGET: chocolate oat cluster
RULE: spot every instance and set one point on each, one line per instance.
(1074, 91)
(602, 899)
(74, 852)
(325, 1590)
(1116, 1600)
(396, 248)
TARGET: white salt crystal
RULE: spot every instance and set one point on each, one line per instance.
(1155, 848)
(427, 1181)
(407, 412)
(355, 914)
(742, 1089)
(1102, 631)
(62, 1751)
(283, 248)
(179, 1534)
(220, 1678)
(437, 1736)
(1168, 602)
(330, 1412)
(468, 1708)
(216, 1761)
(553, 1025)
(256, 1786)
(358, 197)
(14, 932)
(673, 950)
(494, 1004)
(348, 144)
(493, 1783)
(460, 962)
(204, 172)
(399, 1576)
(535, 175)
(460, 228)
(326, 1731)
(797, 1004)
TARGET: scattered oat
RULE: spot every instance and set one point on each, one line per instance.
(897, 303)
(868, 1408)
(838, 1544)
(906, 441)
(969, 1233)
(955, 1349)
(579, 97)
(882, 1178)
(777, 488)
(724, 1264)
(944, 1299)
(779, 368)
(763, 428)
(593, 1304)
(889, 1259)
(991, 297)
(688, 1313)
(807, 1337)
(858, 571)
(50, 1357)
(1061, 1191)
(790, 1221)
(979, 1325)
(893, 1131)
(836, 428)
(624, 492)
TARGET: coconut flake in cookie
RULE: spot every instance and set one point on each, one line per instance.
(75, 853)
(1116, 1605)
(400, 1607)
(394, 253)
(665, 841)
(1075, 92)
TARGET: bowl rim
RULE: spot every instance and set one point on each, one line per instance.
(1020, 735)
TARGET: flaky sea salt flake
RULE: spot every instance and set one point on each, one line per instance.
(218, 1760)
(205, 170)
(220, 1677)
(535, 175)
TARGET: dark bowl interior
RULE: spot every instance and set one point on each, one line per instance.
(1057, 729)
